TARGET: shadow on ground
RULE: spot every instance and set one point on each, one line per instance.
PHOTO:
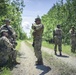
(64, 56)
(7, 66)
(44, 68)
(21, 55)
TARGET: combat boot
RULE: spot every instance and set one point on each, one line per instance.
(39, 62)
(15, 62)
(60, 53)
(55, 53)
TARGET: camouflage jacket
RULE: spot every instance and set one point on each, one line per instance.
(58, 33)
(11, 32)
(72, 34)
(5, 49)
(5, 43)
(37, 30)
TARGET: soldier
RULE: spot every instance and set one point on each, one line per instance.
(73, 38)
(37, 40)
(7, 48)
(11, 32)
(58, 39)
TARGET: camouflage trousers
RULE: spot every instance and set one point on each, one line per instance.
(58, 42)
(3, 56)
(73, 45)
(13, 55)
(7, 55)
(37, 48)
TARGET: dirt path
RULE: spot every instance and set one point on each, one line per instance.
(69, 60)
(27, 66)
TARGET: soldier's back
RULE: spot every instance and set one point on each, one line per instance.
(58, 35)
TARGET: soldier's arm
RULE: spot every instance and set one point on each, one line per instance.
(12, 30)
(14, 35)
(7, 42)
(41, 28)
(33, 27)
(53, 32)
(1, 27)
(62, 34)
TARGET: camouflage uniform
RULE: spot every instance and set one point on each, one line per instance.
(73, 40)
(6, 50)
(11, 32)
(37, 39)
(58, 40)
(35, 27)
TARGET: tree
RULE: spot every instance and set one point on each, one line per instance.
(63, 14)
(12, 9)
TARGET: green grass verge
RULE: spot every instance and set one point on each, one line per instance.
(5, 70)
(65, 48)
(18, 45)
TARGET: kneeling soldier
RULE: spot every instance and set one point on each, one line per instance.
(7, 48)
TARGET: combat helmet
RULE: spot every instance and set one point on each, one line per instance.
(6, 20)
(37, 19)
(58, 26)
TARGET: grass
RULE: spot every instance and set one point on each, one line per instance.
(65, 48)
(29, 44)
(46, 44)
(5, 70)
(18, 45)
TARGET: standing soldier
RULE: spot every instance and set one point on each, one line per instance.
(37, 40)
(73, 39)
(58, 39)
(11, 32)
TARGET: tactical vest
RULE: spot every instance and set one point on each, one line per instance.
(58, 32)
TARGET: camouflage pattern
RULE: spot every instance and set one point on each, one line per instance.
(7, 20)
(73, 40)
(58, 39)
(6, 50)
(37, 40)
(36, 27)
(11, 32)
(37, 48)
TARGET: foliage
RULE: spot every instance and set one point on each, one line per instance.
(63, 14)
(12, 9)
(5, 71)
(18, 44)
